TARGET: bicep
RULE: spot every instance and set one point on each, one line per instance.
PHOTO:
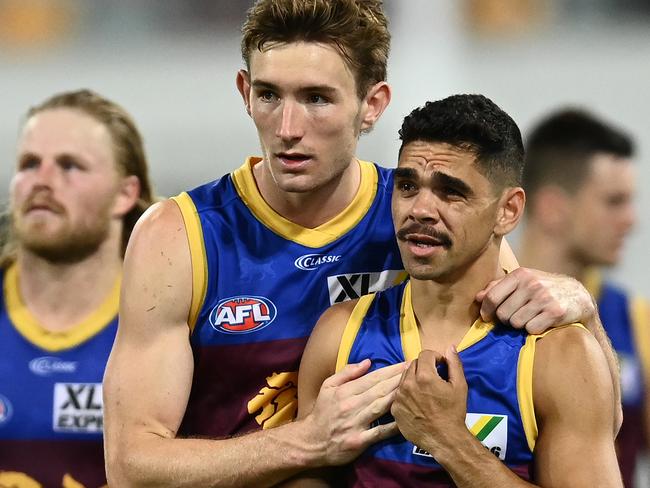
(149, 373)
(319, 358)
(574, 402)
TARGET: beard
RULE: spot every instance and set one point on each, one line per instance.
(66, 244)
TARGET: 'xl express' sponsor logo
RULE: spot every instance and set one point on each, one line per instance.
(78, 407)
(310, 262)
(48, 365)
(242, 314)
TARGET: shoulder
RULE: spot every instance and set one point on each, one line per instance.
(569, 363)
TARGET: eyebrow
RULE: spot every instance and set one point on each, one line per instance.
(437, 179)
(326, 89)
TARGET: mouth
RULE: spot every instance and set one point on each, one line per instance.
(423, 242)
(293, 160)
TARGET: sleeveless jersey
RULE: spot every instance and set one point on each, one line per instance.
(51, 395)
(260, 283)
(498, 367)
(627, 323)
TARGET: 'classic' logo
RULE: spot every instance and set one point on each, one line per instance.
(47, 365)
(243, 314)
(310, 262)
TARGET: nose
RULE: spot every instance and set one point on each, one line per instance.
(46, 173)
(291, 121)
(425, 207)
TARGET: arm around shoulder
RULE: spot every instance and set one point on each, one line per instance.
(575, 411)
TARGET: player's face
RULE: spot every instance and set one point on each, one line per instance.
(65, 185)
(444, 210)
(303, 100)
(603, 212)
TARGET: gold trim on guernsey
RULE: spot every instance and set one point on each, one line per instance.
(351, 329)
(525, 384)
(30, 328)
(640, 316)
(593, 282)
(198, 257)
(411, 344)
(323, 234)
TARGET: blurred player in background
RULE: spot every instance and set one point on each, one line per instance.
(580, 182)
(224, 284)
(81, 182)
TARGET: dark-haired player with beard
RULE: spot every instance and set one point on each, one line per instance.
(79, 186)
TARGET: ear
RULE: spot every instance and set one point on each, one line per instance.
(376, 101)
(243, 82)
(551, 208)
(127, 196)
(510, 211)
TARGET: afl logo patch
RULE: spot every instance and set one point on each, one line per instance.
(5, 410)
(310, 262)
(243, 314)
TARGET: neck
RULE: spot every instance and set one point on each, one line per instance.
(314, 207)
(445, 310)
(541, 250)
(62, 295)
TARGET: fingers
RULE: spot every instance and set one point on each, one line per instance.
(455, 368)
(377, 401)
(348, 373)
(379, 433)
(495, 295)
(360, 385)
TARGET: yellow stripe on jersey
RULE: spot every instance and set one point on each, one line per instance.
(30, 328)
(525, 384)
(640, 315)
(411, 344)
(198, 257)
(323, 234)
(352, 329)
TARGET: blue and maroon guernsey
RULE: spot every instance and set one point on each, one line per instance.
(498, 367)
(260, 283)
(626, 321)
(51, 395)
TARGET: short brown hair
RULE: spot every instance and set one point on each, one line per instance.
(127, 146)
(357, 28)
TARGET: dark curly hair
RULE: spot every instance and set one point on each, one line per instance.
(473, 123)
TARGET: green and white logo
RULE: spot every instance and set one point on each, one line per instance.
(491, 430)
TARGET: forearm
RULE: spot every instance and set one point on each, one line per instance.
(471, 465)
(262, 458)
(595, 326)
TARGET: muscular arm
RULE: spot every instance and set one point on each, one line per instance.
(149, 375)
(573, 400)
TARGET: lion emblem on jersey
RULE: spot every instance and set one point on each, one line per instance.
(278, 400)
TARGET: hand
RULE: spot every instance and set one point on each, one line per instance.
(427, 408)
(536, 300)
(347, 403)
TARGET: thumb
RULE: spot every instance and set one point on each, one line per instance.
(455, 367)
